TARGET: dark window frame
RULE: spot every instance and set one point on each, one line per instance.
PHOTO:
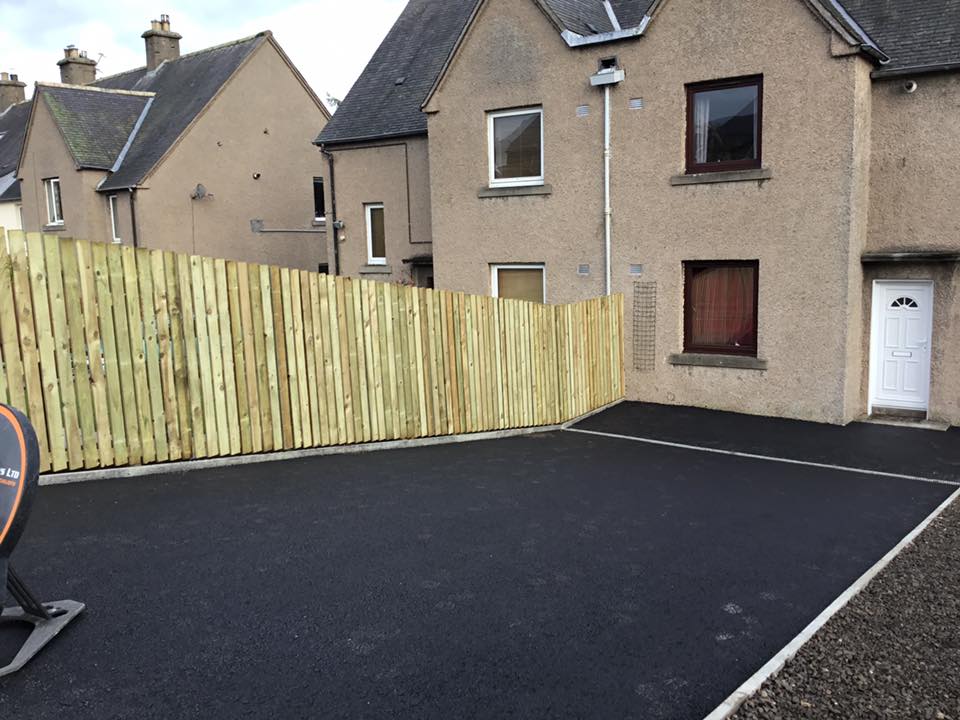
(689, 266)
(319, 201)
(694, 168)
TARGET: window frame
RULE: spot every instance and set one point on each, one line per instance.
(495, 279)
(113, 204)
(371, 260)
(694, 168)
(48, 190)
(528, 181)
(323, 190)
(688, 347)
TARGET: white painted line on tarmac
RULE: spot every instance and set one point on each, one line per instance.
(770, 458)
(729, 706)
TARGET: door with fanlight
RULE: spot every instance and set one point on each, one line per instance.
(900, 344)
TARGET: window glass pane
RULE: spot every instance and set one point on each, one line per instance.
(516, 146)
(319, 200)
(113, 217)
(725, 124)
(721, 307)
(378, 244)
(520, 284)
(58, 207)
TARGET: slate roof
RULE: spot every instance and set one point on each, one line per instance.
(416, 48)
(13, 127)
(95, 124)
(910, 32)
(182, 88)
(914, 33)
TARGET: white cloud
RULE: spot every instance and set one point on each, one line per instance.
(330, 41)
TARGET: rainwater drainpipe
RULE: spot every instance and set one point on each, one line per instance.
(334, 224)
(608, 75)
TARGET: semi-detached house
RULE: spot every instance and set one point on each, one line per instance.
(207, 152)
(772, 185)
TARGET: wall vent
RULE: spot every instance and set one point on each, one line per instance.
(636, 269)
(644, 326)
(583, 110)
(583, 269)
(636, 103)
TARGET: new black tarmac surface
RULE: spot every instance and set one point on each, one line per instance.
(554, 575)
(886, 448)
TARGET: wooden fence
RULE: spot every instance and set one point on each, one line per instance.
(124, 356)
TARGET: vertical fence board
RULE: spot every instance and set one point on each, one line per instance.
(129, 356)
(150, 322)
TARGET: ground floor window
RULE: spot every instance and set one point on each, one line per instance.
(376, 235)
(526, 281)
(720, 307)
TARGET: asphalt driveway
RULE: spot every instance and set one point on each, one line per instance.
(555, 575)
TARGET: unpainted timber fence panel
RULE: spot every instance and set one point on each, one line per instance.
(124, 356)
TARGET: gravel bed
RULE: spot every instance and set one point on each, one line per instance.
(892, 652)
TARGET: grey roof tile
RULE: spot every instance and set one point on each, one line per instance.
(95, 124)
(416, 48)
(912, 32)
(13, 127)
(183, 87)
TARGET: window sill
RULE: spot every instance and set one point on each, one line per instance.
(56, 227)
(514, 191)
(741, 362)
(375, 270)
(722, 176)
(319, 222)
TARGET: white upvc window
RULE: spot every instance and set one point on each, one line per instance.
(114, 219)
(519, 281)
(54, 204)
(376, 234)
(515, 147)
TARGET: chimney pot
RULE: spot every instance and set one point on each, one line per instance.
(161, 43)
(12, 91)
(76, 68)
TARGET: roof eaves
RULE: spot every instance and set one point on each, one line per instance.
(572, 39)
(927, 69)
(367, 138)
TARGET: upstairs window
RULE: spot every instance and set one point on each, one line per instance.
(720, 307)
(376, 235)
(319, 200)
(515, 140)
(54, 206)
(114, 218)
(724, 125)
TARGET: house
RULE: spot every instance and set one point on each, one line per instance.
(14, 112)
(770, 185)
(207, 153)
(377, 174)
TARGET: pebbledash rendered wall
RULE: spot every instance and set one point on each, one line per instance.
(808, 224)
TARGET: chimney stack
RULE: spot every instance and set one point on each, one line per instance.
(161, 43)
(76, 68)
(11, 91)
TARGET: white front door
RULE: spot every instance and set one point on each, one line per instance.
(900, 344)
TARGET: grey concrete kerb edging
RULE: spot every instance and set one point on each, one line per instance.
(729, 706)
(187, 465)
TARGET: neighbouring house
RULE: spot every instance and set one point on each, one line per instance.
(207, 152)
(377, 178)
(770, 184)
(14, 111)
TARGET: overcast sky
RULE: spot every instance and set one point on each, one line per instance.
(330, 41)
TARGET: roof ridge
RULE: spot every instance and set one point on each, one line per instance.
(93, 88)
(220, 46)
